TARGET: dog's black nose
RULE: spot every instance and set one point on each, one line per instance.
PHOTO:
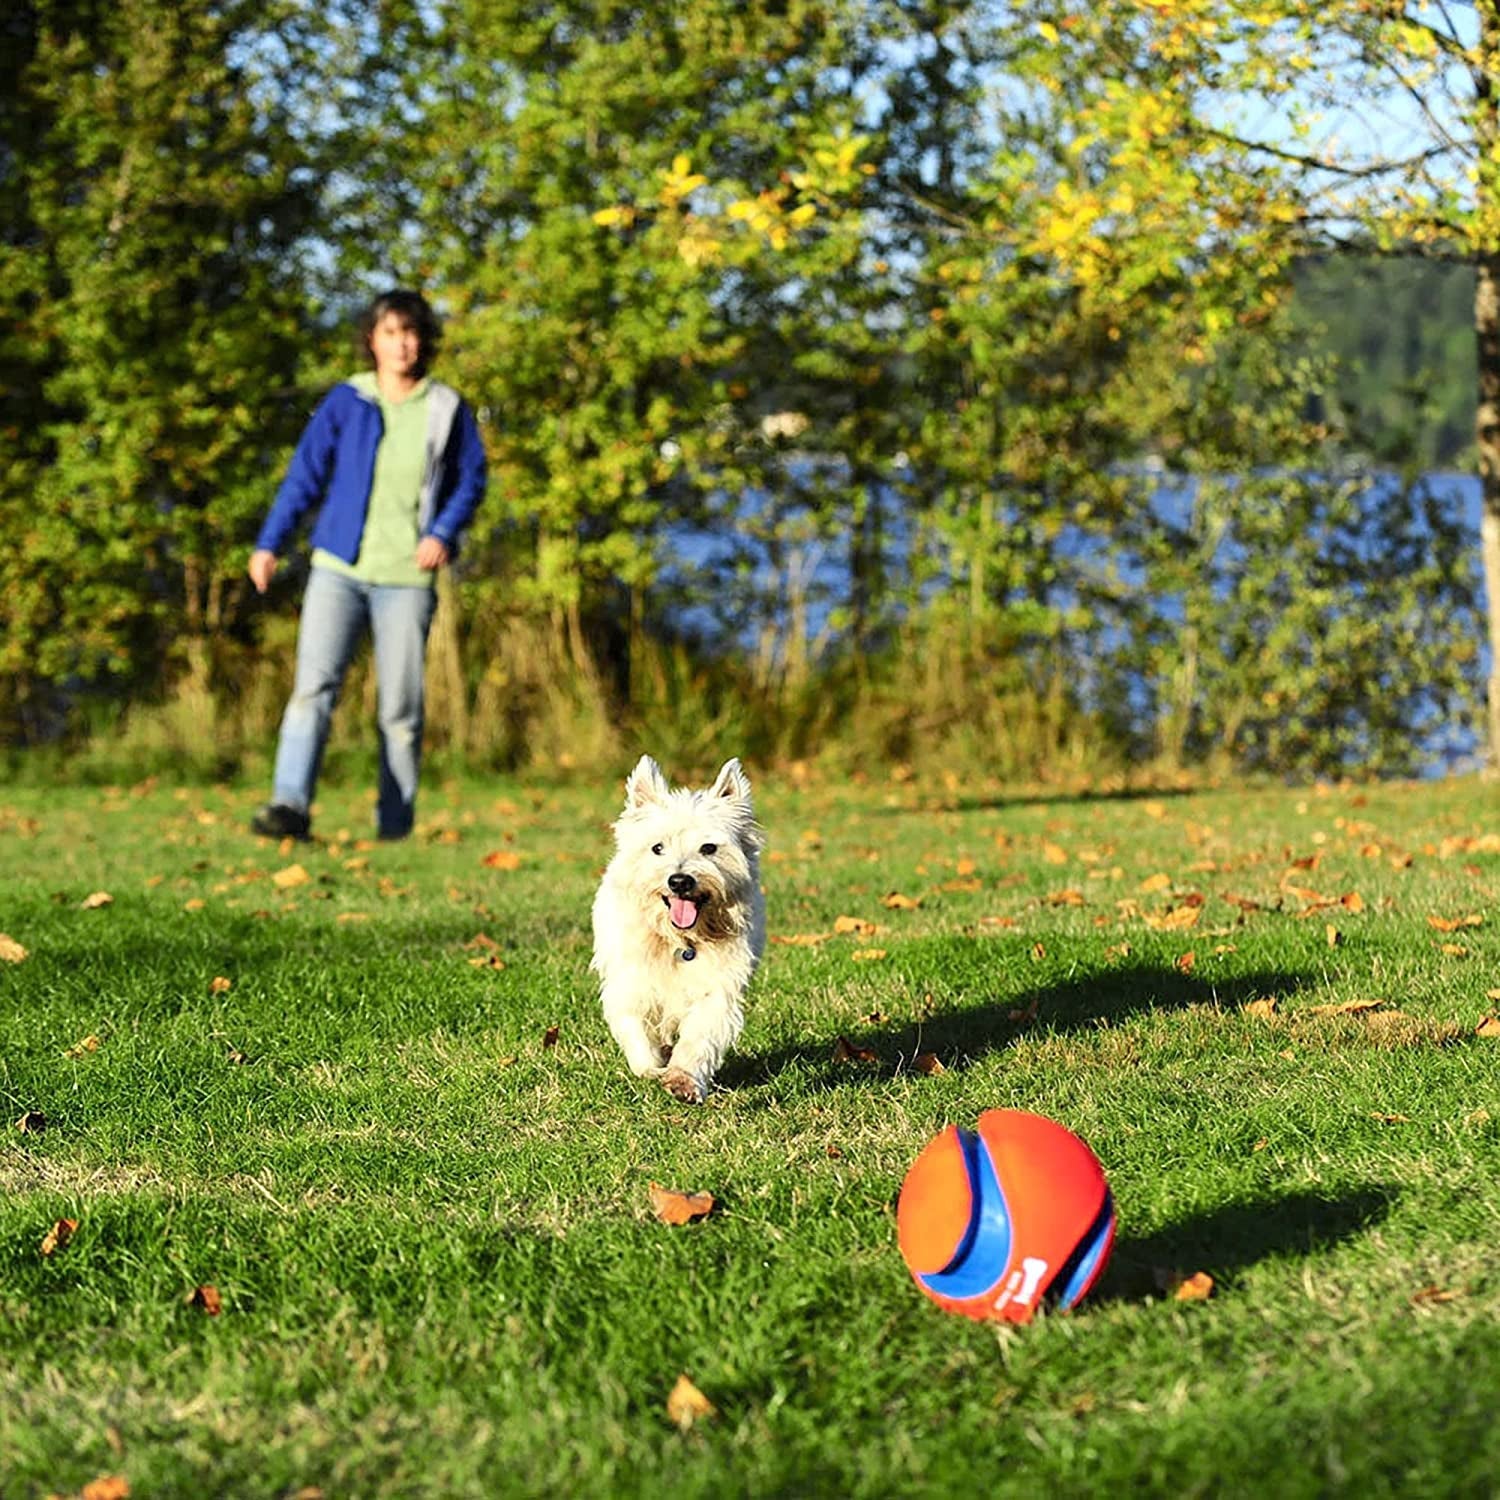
(681, 885)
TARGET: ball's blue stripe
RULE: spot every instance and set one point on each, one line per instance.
(1080, 1270)
(984, 1253)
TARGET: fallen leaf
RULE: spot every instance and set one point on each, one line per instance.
(1261, 1144)
(1117, 950)
(857, 925)
(292, 875)
(1186, 961)
(1385, 1119)
(1265, 1009)
(206, 1297)
(1489, 1026)
(1452, 924)
(33, 1122)
(502, 859)
(549, 1038)
(94, 902)
(353, 916)
(1431, 1294)
(1345, 1008)
(966, 883)
(1022, 1013)
(965, 866)
(198, 903)
(78, 1049)
(1453, 950)
(845, 1051)
(1176, 920)
(488, 961)
(687, 1404)
(58, 1236)
(998, 922)
(482, 940)
(1069, 897)
(219, 985)
(1198, 1287)
(867, 955)
(1152, 883)
(1352, 901)
(679, 1208)
(1154, 809)
(897, 902)
(1054, 854)
(11, 951)
(927, 1063)
(1334, 936)
(1038, 952)
(106, 1487)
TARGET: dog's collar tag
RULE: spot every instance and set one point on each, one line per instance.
(688, 955)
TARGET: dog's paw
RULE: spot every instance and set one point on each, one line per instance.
(682, 1085)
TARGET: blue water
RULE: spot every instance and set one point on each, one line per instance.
(729, 576)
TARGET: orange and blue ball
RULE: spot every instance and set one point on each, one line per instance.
(996, 1222)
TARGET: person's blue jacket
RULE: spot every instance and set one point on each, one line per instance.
(334, 466)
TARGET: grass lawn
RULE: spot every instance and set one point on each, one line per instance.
(430, 1231)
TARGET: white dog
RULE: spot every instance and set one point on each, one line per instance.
(680, 925)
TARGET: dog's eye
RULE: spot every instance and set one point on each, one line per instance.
(656, 848)
(709, 849)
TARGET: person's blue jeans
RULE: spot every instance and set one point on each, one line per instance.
(335, 613)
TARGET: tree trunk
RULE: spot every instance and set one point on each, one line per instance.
(1487, 432)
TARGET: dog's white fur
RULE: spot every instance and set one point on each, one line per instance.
(676, 1016)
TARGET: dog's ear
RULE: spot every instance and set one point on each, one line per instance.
(645, 784)
(731, 782)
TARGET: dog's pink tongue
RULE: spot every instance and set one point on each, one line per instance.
(683, 912)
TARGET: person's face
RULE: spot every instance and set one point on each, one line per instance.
(396, 345)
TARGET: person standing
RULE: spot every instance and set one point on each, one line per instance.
(393, 461)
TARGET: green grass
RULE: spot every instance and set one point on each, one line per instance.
(431, 1233)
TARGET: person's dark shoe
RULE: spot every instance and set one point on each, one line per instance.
(393, 835)
(277, 821)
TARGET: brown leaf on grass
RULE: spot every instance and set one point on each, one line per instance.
(998, 922)
(1488, 1026)
(219, 985)
(352, 916)
(58, 1236)
(1022, 1013)
(1176, 919)
(1345, 1008)
(1246, 904)
(1334, 936)
(800, 939)
(1352, 901)
(858, 926)
(687, 1404)
(1154, 883)
(966, 883)
(1265, 1008)
(1068, 897)
(1431, 1294)
(106, 1487)
(482, 940)
(845, 1051)
(1054, 854)
(867, 955)
(1038, 951)
(965, 866)
(502, 859)
(78, 1049)
(94, 902)
(488, 961)
(1386, 1119)
(11, 951)
(1117, 950)
(291, 876)
(927, 1063)
(33, 1122)
(672, 1207)
(1198, 1287)
(895, 901)
(1186, 961)
(198, 903)
(549, 1038)
(1452, 924)
(1453, 950)
(206, 1297)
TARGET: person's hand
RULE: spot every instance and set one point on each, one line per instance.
(431, 554)
(262, 566)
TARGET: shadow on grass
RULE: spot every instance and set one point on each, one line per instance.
(958, 802)
(963, 1035)
(1230, 1239)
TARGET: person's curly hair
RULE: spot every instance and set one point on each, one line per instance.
(415, 312)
